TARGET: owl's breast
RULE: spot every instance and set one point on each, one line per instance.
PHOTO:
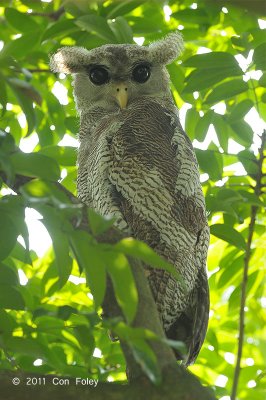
(139, 161)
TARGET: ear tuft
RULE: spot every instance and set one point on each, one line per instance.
(69, 60)
(166, 50)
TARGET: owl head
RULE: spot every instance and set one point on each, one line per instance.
(114, 76)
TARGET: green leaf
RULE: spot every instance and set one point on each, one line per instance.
(58, 229)
(7, 143)
(140, 250)
(58, 29)
(230, 272)
(48, 323)
(249, 162)
(113, 10)
(200, 79)
(213, 60)
(37, 191)
(8, 235)
(251, 198)
(212, 68)
(8, 323)
(146, 358)
(121, 30)
(56, 113)
(210, 162)
(222, 130)
(25, 346)
(27, 89)
(243, 133)
(5, 165)
(98, 223)
(62, 258)
(192, 16)
(228, 234)
(70, 180)
(138, 339)
(192, 119)
(97, 25)
(176, 344)
(65, 312)
(10, 298)
(20, 47)
(234, 300)
(72, 124)
(35, 165)
(147, 26)
(212, 339)
(262, 80)
(226, 90)
(22, 22)
(3, 94)
(24, 255)
(14, 208)
(90, 260)
(8, 276)
(259, 56)
(240, 110)
(86, 340)
(241, 42)
(177, 76)
(203, 125)
(123, 281)
(26, 105)
(64, 155)
(228, 196)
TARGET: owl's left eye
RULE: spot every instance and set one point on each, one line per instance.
(99, 75)
(141, 73)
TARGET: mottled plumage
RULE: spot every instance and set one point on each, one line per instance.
(136, 163)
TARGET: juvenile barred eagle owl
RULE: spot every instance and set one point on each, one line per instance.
(136, 163)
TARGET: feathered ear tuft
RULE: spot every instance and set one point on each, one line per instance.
(166, 50)
(69, 60)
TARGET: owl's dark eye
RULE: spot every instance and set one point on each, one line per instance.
(99, 75)
(141, 73)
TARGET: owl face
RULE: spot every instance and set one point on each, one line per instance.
(114, 76)
(117, 76)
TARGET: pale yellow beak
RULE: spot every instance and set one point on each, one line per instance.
(121, 94)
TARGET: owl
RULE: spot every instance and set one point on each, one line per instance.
(137, 164)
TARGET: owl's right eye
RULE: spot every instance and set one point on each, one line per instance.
(99, 75)
(141, 73)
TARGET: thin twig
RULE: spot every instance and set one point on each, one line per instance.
(55, 15)
(243, 303)
(39, 70)
(254, 210)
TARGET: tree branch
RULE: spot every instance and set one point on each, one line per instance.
(70, 390)
(146, 317)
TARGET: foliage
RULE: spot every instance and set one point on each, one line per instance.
(48, 316)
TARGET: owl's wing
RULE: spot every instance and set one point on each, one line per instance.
(200, 317)
(191, 326)
(200, 301)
